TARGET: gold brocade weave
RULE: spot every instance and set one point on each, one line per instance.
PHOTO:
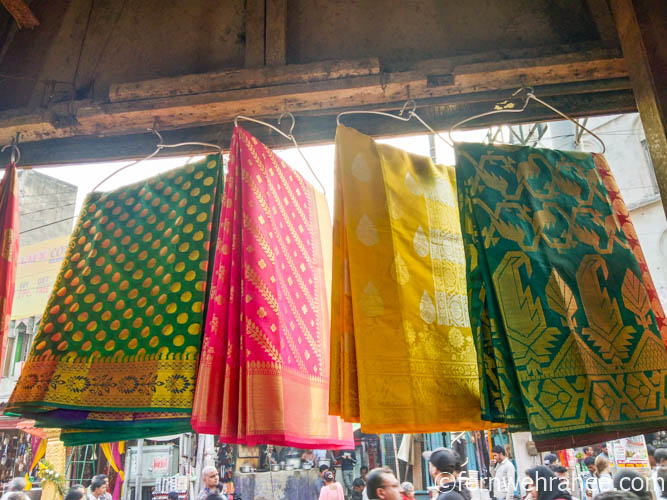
(403, 358)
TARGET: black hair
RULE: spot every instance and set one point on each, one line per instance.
(172, 495)
(74, 494)
(660, 454)
(616, 495)
(558, 469)
(77, 486)
(589, 461)
(374, 481)
(323, 467)
(363, 467)
(101, 476)
(499, 449)
(358, 482)
(661, 482)
(632, 481)
(214, 496)
(650, 449)
(96, 483)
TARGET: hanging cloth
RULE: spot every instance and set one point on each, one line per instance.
(118, 345)
(402, 353)
(623, 216)
(9, 249)
(263, 376)
(568, 345)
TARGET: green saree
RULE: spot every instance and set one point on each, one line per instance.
(119, 341)
(567, 343)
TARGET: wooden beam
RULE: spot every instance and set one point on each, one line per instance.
(604, 22)
(89, 118)
(276, 33)
(243, 79)
(641, 29)
(21, 13)
(255, 11)
(311, 129)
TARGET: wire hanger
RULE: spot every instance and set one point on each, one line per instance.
(412, 113)
(159, 147)
(508, 107)
(289, 137)
(15, 155)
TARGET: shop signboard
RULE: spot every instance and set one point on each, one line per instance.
(629, 453)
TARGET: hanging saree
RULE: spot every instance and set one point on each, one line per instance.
(629, 229)
(9, 249)
(263, 375)
(118, 345)
(567, 342)
(402, 353)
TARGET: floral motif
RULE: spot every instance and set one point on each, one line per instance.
(128, 384)
(177, 384)
(78, 384)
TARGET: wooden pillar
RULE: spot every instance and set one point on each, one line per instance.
(254, 33)
(276, 32)
(642, 30)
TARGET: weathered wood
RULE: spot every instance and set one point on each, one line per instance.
(84, 118)
(310, 129)
(255, 41)
(243, 79)
(604, 22)
(648, 72)
(276, 32)
(21, 13)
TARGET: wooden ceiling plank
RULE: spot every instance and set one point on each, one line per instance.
(255, 35)
(604, 22)
(276, 33)
(243, 79)
(21, 13)
(360, 91)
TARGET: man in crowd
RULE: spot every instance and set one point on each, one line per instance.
(504, 480)
(444, 467)
(347, 459)
(98, 489)
(210, 478)
(587, 478)
(358, 487)
(551, 459)
(363, 472)
(16, 484)
(660, 459)
(319, 482)
(105, 478)
(381, 484)
(605, 451)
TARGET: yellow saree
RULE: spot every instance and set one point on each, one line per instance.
(402, 352)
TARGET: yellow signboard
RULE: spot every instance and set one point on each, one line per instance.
(37, 271)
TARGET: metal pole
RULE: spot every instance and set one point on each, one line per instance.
(398, 471)
(137, 484)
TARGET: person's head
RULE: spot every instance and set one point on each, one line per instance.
(269, 448)
(551, 459)
(363, 472)
(604, 449)
(408, 489)
(78, 487)
(660, 456)
(499, 453)
(650, 449)
(632, 481)
(329, 477)
(16, 484)
(214, 496)
(381, 484)
(601, 465)
(210, 476)
(443, 465)
(542, 482)
(662, 482)
(74, 494)
(589, 451)
(17, 495)
(98, 486)
(616, 495)
(323, 469)
(589, 462)
(560, 471)
(172, 495)
(358, 484)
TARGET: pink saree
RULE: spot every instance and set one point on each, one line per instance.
(264, 367)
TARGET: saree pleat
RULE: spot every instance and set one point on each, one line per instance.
(118, 344)
(402, 353)
(567, 341)
(9, 249)
(263, 376)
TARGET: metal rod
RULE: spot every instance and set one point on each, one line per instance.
(138, 461)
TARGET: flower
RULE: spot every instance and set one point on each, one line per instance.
(177, 384)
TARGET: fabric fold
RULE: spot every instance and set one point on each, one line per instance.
(263, 376)
(402, 353)
(9, 249)
(120, 338)
(567, 340)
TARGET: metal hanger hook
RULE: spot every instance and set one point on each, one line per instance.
(410, 112)
(15, 155)
(287, 113)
